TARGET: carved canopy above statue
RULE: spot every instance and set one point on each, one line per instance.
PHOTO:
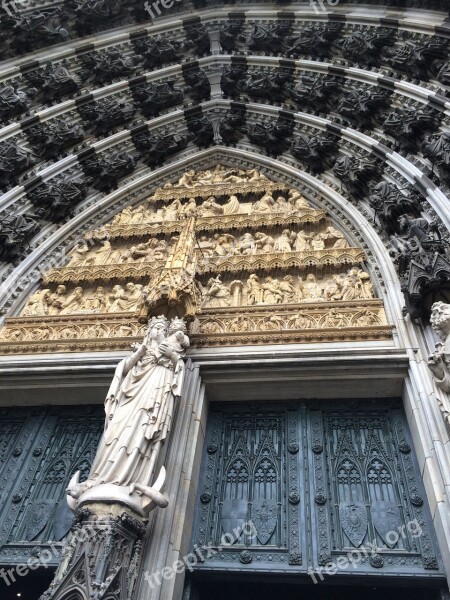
(246, 260)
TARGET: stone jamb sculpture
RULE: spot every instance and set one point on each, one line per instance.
(139, 408)
(439, 360)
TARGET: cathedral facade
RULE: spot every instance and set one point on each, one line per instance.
(225, 295)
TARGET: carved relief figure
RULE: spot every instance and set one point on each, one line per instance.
(334, 319)
(246, 244)
(97, 302)
(332, 290)
(311, 288)
(210, 208)
(216, 294)
(297, 200)
(126, 300)
(350, 287)
(272, 323)
(224, 244)
(302, 242)
(288, 289)
(366, 318)
(189, 209)
(318, 242)
(37, 304)
(74, 303)
(333, 234)
(103, 254)
(264, 242)
(301, 321)
(78, 256)
(56, 300)
(265, 204)
(283, 243)
(255, 291)
(239, 324)
(439, 360)
(272, 291)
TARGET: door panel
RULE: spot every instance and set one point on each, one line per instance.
(41, 448)
(306, 487)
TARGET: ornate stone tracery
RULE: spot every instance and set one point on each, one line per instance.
(224, 247)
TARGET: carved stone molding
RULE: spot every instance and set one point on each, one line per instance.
(217, 189)
(266, 262)
(241, 221)
(80, 333)
(103, 272)
(301, 323)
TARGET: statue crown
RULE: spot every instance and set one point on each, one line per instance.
(177, 324)
(155, 320)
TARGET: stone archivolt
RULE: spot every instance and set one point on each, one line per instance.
(288, 274)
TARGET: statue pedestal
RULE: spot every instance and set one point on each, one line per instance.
(102, 555)
(110, 493)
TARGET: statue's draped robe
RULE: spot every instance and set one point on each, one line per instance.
(139, 409)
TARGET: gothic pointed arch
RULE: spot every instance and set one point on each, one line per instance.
(277, 173)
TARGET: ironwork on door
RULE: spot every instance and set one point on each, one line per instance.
(308, 486)
(40, 449)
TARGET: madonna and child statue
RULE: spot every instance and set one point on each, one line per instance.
(139, 408)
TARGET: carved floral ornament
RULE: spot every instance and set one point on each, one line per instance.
(244, 259)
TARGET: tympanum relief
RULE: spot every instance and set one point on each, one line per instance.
(243, 258)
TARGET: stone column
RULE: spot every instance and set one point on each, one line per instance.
(167, 541)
